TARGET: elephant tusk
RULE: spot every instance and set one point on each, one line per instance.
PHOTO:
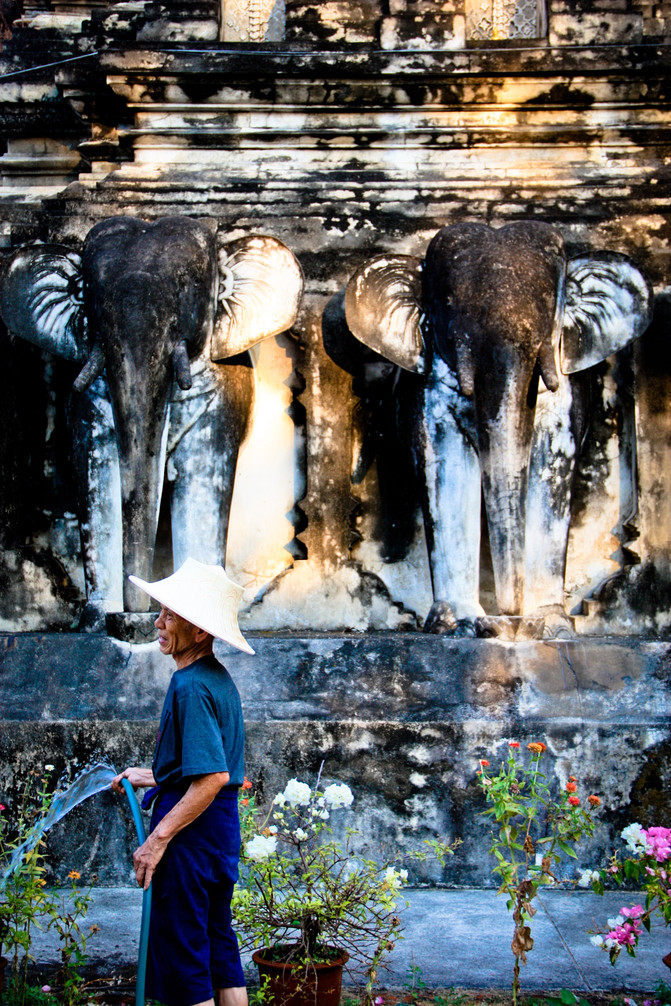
(93, 368)
(465, 368)
(180, 361)
(548, 368)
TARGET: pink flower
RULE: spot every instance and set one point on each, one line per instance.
(634, 912)
(46, 988)
(2, 806)
(658, 841)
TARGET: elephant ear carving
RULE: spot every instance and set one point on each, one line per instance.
(382, 307)
(260, 290)
(608, 305)
(41, 299)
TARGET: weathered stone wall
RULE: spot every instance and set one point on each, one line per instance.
(402, 719)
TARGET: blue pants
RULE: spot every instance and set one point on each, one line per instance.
(192, 947)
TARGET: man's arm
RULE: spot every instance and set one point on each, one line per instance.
(197, 798)
(139, 778)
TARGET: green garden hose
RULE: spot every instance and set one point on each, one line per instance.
(146, 899)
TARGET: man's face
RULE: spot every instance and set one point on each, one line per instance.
(176, 636)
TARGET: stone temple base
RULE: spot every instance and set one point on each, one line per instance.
(403, 718)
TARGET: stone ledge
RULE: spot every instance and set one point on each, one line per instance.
(400, 677)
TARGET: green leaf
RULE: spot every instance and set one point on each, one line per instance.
(566, 849)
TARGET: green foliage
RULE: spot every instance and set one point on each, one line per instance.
(532, 831)
(27, 904)
(565, 998)
(414, 983)
(304, 890)
(23, 898)
(450, 997)
(67, 910)
(663, 993)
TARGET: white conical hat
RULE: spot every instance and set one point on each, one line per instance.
(203, 595)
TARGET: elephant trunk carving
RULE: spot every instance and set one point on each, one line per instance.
(496, 329)
(168, 312)
(149, 291)
(503, 308)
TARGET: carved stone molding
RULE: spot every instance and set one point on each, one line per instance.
(252, 20)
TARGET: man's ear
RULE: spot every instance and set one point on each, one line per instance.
(202, 635)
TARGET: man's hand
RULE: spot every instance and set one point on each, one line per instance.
(147, 858)
(139, 778)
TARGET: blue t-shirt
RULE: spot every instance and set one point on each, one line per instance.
(201, 728)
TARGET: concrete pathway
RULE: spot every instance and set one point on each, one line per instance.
(456, 938)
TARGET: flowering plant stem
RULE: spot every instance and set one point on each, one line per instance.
(533, 829)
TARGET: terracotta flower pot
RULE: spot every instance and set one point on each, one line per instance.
(300, 985)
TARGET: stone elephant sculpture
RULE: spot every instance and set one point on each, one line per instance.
(169, 311)
(483, 316)
(41, 300)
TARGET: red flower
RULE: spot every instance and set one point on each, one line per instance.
(574, 801)
(244, 802)
(571, 787)
(594, 800)
(483, 761)
(246, 784)
(572, 778)
(513, 744)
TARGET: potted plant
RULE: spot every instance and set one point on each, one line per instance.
(309, 904)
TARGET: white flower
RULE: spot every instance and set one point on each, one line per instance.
(403, 874)
(260, 847)
(50, 768)
(610, 944)
(338, 794)
(392, 879)
(296, 794)
(587, 877)
(280, 800)
(300, 835)
(596, 941)
(634, 837)
(323, 814)
(617, 921)
(272, 829)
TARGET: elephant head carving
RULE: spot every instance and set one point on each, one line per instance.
(157, 307)
(483, 316)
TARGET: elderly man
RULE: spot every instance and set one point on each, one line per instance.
(192, 850)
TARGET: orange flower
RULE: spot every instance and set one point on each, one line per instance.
(571, 787)
(74, 875)
(572, 778)
(574, 801)
(244, 802)
(594, 800)
(483, 761)
(246, 784)
(513, 744)
(537, 747)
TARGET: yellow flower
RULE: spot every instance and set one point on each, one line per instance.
(42, 882)
(74, 875)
